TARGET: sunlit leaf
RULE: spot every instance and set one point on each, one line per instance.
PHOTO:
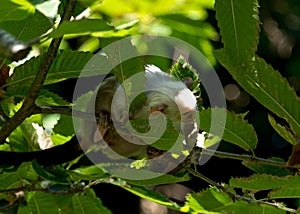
(24, 138)
(239, 27)
(15, 10)
(58, 139)
(282, 131)
(26, 171)
(48, 98)
(266, 168)
(236, 131)
(40, 202)
(267, 86)
(152, 196)
(212, 201)
(64, 126)
(80, 27)
(164, 179)
(49, 8)
(9, 180)
(68, 64)
(27, 29)
(57, 174)
(18, 83)
(88, 173)
(88, 203)
(289, 192)
(182, 70)
(265, 182)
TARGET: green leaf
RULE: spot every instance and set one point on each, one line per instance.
(49, 121)
(127, 68)
(26, 171)
(208, 200)
(48, 98)
(18, 83)
(182, 70)
(15, 10)
(239, 27)
(265, 182)
(164, 179)
(58, 139)
(282, 131)
(49, 8)
(266, 168)
(212, 201)
(27, 29)
(9, 180)
(237, 130)
(68, 64)
(137, 103)
(80, 102)
(267, 86)
(88, 173)
(80, 27)
(122, 56)
(24, 138)
(40, 202)
(290, 192)
(159, 139)
(64, 126)
(139, 175)
(88, 203)
(47, 174)
(150, 195)
(36, 118)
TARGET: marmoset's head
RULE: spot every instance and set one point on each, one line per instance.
(168, 96)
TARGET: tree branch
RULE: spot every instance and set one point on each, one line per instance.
(72, 190)
(37, 83)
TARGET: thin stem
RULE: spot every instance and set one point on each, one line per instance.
(32, 188)
(37, 83)
(204, 178)
(250, 158)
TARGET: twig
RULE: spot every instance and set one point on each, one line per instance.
(72, 190)
(204, 178)
(37, 83)
(250, 158)
(52, 110)
(236, 196)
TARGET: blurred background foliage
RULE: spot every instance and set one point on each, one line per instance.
(185, 20)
